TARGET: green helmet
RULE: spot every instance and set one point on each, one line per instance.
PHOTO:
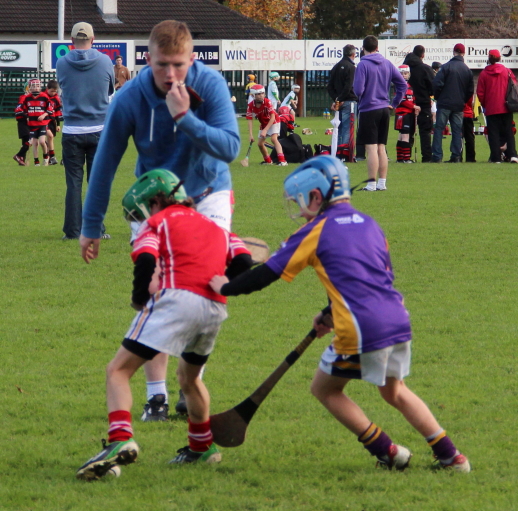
(135, 203)
(274, 74)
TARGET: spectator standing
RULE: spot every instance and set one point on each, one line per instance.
(421, 77)
(491, 91)
(121, 73)
(86, 80)
(452, 88)
(340, 89)
(468, 133)
(372, 80)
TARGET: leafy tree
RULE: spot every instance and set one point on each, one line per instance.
(279, 14)
(351, 19)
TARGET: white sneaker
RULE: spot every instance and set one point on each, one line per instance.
(46, 162)
(282, 163)
(459, 463)
(398, 457)
(514, 159)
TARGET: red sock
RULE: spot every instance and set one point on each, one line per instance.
(281, 157)
(267, 159)
(200, 436)
(52, 153)
(120, 428)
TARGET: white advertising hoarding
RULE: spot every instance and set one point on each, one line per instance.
(477, 51)
(19, 55)
(436, 50)
(323, 55)
(267, 55)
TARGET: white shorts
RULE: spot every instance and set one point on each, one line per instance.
(217, 206)
(374, 367)
(176, 321)
(275, 129)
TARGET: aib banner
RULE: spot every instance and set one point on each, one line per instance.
(266, 55)
(54, 50)
(17, 54)
(207, 52)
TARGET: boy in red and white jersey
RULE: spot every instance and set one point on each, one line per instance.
(39, 109)
(53, 125)
(181, 319)
(262, 109)
(405, 120)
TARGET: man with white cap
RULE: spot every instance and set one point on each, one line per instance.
(86, 79)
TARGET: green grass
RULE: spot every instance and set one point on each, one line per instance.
(453, 236)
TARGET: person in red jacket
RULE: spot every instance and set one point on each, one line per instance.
(405, 120)
(491, 91)
(467, 131)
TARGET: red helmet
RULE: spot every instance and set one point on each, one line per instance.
(257, 89)
(284, 110)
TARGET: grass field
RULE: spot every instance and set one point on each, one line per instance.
(454, 239)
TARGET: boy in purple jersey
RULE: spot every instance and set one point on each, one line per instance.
(349, 252)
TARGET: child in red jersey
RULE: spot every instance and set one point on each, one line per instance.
(24, 133)
(53, 126)
(406, 113)
(261, 108)
(39, 109)
(468, 133)
(181, 319)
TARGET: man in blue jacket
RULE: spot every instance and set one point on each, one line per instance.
(86, 79)
(452, 88)
(372, 80)
(179, 114)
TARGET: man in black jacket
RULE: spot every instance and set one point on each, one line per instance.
(452, 87)
(421, 77)
(340, 88)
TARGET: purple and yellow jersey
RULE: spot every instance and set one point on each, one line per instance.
(349, 252)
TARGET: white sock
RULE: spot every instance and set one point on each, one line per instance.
(156, 387)
(381, 183)
(371, 185)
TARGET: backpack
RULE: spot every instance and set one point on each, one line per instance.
(342, 151)
(293, 149)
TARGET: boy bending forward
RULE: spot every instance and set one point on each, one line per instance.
(182, 319)
(349, 252)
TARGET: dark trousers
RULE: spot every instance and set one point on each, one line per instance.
(469, 138)
(77, 149)
(500, 129)
(425, 124)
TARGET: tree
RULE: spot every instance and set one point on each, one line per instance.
(351, 19)
(279, 14)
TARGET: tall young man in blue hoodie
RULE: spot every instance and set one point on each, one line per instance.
(372, 80)
(86, 79)
(179, 114)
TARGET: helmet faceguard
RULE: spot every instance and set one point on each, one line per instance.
(136, 203)
(273, 75)
(325, 173)
(295, 87)
(34, 85)
(405, 71)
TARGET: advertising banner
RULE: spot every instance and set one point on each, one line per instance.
(16, 54)
(262, 55)
(323, 55)
(53, 50)
(436, 50)
(477, 51)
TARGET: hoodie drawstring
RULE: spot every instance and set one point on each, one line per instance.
(151, 126)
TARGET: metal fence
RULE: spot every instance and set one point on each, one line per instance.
(12, 85)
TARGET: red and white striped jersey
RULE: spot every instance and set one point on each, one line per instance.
(191, 249)
(34, 106)
(236, 247)
(407, 103)
(262, 113)
(19, 112)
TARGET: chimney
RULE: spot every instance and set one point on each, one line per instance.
(108, 9)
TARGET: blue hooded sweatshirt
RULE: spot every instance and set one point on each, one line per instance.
(86, 81)
(198, 149)
(372, 79)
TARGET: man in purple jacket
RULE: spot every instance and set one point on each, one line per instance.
(372, 80)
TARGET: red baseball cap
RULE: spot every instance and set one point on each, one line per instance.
(459, 48)
(494, 53)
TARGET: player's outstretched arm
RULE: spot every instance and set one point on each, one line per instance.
(89, 248)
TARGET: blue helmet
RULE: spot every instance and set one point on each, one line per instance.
(326, 173)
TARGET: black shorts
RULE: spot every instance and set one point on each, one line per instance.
(23, 129)
(373, 127)
(38, 131)
(51, 126)
(405, 123)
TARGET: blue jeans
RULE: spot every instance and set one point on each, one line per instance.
(345, 121)
(77, 149)
(455, 119)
